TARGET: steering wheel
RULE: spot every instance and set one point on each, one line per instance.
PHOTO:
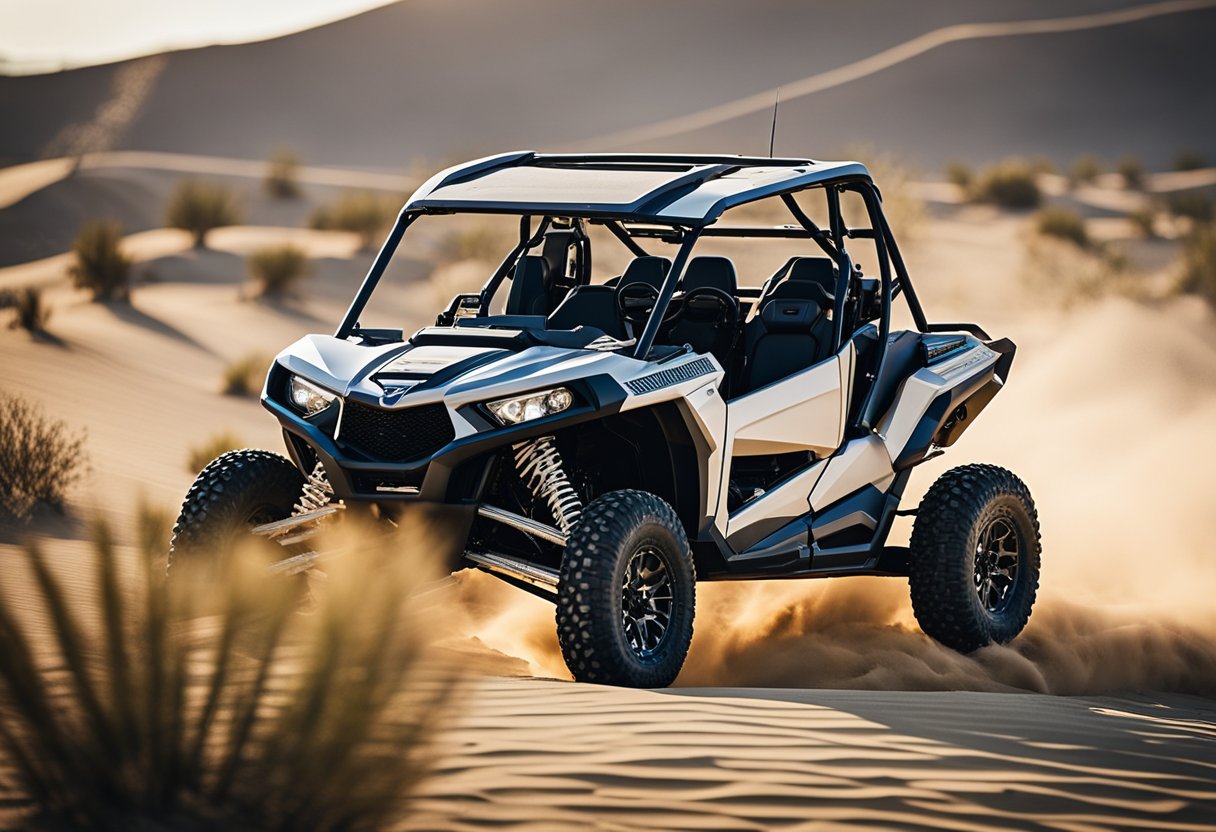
(720, 310)
(710, 303)
(635, 302)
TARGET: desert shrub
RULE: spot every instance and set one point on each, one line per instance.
(1009, 184)
(1132, 171)
(361, 212)
(1085, 169)
(199, 207)
(1194, 205)
(40, 459)
(275, 269)
(99, 262)
(32, 314)
(244, 377)
(1064, 224)
(903, 207)
(1189, 160)
(282, 175)
(134, 711)
(479, 242)
(219, 443)
(1199, 263)
(960, 174)
(1144, 220)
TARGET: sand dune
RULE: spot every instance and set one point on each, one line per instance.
(415, 80)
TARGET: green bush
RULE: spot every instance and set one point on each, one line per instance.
(244, 377)
(1132, 171)
(361, 212)
(282, 175)
(199, 207)
(1189, 160)
(200, 455)
(32, 314)
(1199, 263)
(1085, 169)
(1194, 205)
(960, 174)
(1009, 184)
(276, 269)
(99, 262)
(1064, 224)
(205, 702)
(40, 459)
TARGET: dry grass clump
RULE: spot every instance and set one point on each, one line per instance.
(244, 376)
(198, 207)
(1144, 220)
(282, 175)
(1189, 160)
(135, 711)
(100, 265)
(219, 443)
(483, 243)
(1085, 170)
(276, 269)
(1194, 205)
(960, 174)
(1008, 184)
(1199, 263)
(40, 459)
(1063, 223)
(31, 314)
(1132, 171)
(361, 212)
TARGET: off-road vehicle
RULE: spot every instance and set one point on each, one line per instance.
(606, 438)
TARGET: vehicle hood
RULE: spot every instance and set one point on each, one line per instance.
(403, 375)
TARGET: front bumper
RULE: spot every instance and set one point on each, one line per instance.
(454, 474)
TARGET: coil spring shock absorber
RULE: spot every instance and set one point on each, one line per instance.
(540, 467)
(317, 492)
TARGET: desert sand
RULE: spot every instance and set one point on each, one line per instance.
(1096, 717)
(803, 705)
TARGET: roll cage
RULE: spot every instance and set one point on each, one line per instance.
(677, 199)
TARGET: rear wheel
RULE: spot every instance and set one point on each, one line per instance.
(235, 492)
(974, 560)
(626, 593)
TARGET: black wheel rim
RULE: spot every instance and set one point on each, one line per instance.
(646, 601)
(998, 556)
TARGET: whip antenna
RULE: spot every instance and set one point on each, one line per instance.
(772, 136)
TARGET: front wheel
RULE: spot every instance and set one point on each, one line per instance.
(235, 492)
(974, 558)
(626, 593)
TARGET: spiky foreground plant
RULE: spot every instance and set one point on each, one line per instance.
(214, 704)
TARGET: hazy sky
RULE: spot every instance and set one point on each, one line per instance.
(44, 35)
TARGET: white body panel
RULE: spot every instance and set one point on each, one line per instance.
(803, 412)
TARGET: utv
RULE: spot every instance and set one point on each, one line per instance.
(606, 440)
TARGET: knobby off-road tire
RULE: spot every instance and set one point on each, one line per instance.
(626, 559)
(235, 492)
(974, 559)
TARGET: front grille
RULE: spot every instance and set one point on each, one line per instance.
(396, 435)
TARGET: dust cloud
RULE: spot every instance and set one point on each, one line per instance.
(1109, 418)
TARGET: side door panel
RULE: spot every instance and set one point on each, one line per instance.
(803, 412)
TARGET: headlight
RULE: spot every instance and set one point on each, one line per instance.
(308, 398)
(532, 406)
